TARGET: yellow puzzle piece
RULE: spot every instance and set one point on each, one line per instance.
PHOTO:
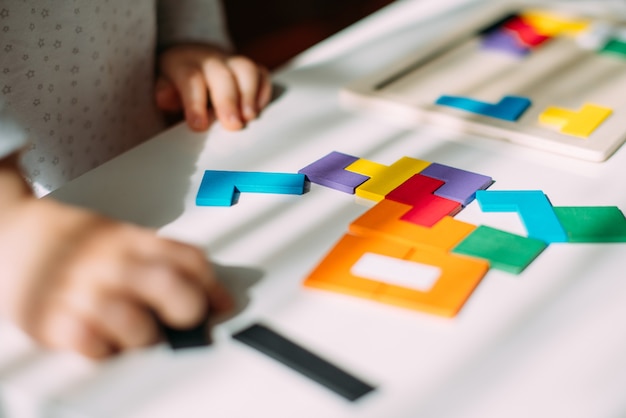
(383, 179)
(553, 24)
(577, 123)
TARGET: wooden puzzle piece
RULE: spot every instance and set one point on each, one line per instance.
(509, 108)
(383, 179)
(525, 32)
(504, 41)
(426, 208)
(384, 221)
(554, 24)
(396, 271)
(431, 209)
(333, 273)
(330, 171)
(504, 251)
(298, 358)
(579, 123)
(220, 188)
(414, 189)
(458, 279)
(616, 47)
(460, 185)
(592, 223)
(533, 208)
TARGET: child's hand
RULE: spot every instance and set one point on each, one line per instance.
(191, 76)
(76, 280)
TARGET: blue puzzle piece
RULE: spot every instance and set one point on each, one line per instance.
(532, 206)
(460, 185)
(220, 188)
(510, 108)
(330, 171)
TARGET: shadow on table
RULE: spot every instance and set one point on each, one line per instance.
(238, 280)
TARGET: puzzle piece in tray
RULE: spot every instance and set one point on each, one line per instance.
(616, 47)
(504, 251)
(592, 223)
(330, 171)
(383, 179)
(460, 185)
(505, 41)
(526, 33)
(509, 108)
(533, 208)
(554, 24)
(579, 123)
(220, 188)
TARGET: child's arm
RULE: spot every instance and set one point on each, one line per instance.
(75, 280)
(193, 75)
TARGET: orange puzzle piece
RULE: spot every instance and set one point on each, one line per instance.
(459, 275)
(384, 221)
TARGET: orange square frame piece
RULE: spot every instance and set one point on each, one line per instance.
(459, 275)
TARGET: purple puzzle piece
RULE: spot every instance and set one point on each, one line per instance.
(503, 40)
(460, 185)
(330, 171)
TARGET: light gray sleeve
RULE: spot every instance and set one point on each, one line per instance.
(12, 138)
(182, 21)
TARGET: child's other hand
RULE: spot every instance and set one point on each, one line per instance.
(192, 76)
(75, 280)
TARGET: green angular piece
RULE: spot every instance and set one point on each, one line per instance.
(616, 47)
(504, 251)
(592, 223)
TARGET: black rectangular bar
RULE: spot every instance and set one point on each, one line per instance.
(197, 336)
(298, 358)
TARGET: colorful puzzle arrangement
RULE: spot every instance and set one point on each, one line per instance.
(408, 249)
(523, 33)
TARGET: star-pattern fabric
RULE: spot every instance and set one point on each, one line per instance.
(78, 77)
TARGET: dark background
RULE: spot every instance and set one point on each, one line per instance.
(271, 32)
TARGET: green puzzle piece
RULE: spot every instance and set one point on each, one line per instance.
(592, 223)
(504, 251)
(616, 47)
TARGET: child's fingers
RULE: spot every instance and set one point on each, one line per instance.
(66, 330)
(249, 81)
(166, 96)
(177, 300)
(193, 264)
(265, 91)
(122, 320)
(193, 93)
(224, 92)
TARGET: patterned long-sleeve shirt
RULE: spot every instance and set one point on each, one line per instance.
(77, 77)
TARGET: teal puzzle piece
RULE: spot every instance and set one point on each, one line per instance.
(509, 108)
(532, 206)
(220, 188)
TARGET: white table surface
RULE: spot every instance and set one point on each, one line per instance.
(550, 342)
